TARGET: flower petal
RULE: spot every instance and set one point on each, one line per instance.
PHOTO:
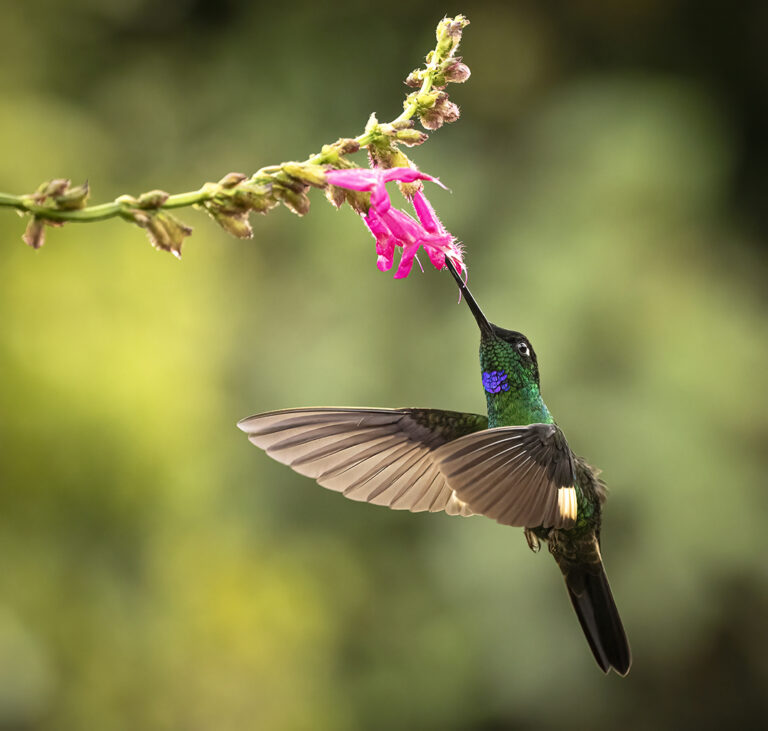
(353, 178)
(406, 261)
(385, 241)
(426, 213)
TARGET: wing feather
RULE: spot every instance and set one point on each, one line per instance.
(381, 456)
(513, 474)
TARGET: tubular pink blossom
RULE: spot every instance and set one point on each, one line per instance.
(392, 227)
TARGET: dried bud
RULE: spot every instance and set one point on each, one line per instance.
(432, 119)
(73, 198)
(295, 202)
(235, 223)
(347, 146)
(165, 231)
(414, 79)
(456, 72)
(359, 200)
(335, 195)
(452, 28)
(411, 137)
(230, 180)
(306, 173)
(34, 236)
(52, 188)
(386, 155)
(254, 197)
(152, 199)
(450, 112)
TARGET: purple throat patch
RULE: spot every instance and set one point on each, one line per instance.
(495, 381)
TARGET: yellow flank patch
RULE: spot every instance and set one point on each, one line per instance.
(566, 502)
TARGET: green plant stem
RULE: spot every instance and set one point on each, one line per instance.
(103, 211)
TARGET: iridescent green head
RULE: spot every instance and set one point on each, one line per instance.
(509, 368)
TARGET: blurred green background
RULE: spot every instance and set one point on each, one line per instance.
(609, 178)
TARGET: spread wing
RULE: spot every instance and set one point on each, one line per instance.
(519, 475)
(380, 456)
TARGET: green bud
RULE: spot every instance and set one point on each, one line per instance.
(307, 173)
(74, 198)
(439, 81)
(411, 137)
(371, 124)
(152, 199)
(127, 201)
(403, 124)
(342, 146)
(34, 236)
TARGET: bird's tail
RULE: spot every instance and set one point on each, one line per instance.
(593, 602)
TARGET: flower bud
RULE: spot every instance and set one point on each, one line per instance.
(414, 79)
(387, 156)
(295, 202)
(152, 199)
(347, 146)
(74, 198)
(34, 236)
(359, 200)
(254, 197)
(451, 28)
(456, 72)
(450, 112)
(411, 137)
(335, 195)
(165, 232)
(402, 124)
(432, 119)
(235, 223)
(230, 180)
(51, 189)
(306, 172)
(372, 123)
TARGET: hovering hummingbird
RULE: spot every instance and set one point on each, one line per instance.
(514, 465)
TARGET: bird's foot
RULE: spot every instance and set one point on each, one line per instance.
(533, 541)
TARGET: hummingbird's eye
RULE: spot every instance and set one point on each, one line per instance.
(523, 349)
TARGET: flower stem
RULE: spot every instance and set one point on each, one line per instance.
(231, 199)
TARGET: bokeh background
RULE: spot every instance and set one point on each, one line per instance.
(609, 177)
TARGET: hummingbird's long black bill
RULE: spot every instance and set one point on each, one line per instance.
(482, 321)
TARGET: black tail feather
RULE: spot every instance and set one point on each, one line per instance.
(591, 597)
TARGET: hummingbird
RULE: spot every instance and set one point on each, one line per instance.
(513, 465)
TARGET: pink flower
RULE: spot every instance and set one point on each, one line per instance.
(392, 227)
